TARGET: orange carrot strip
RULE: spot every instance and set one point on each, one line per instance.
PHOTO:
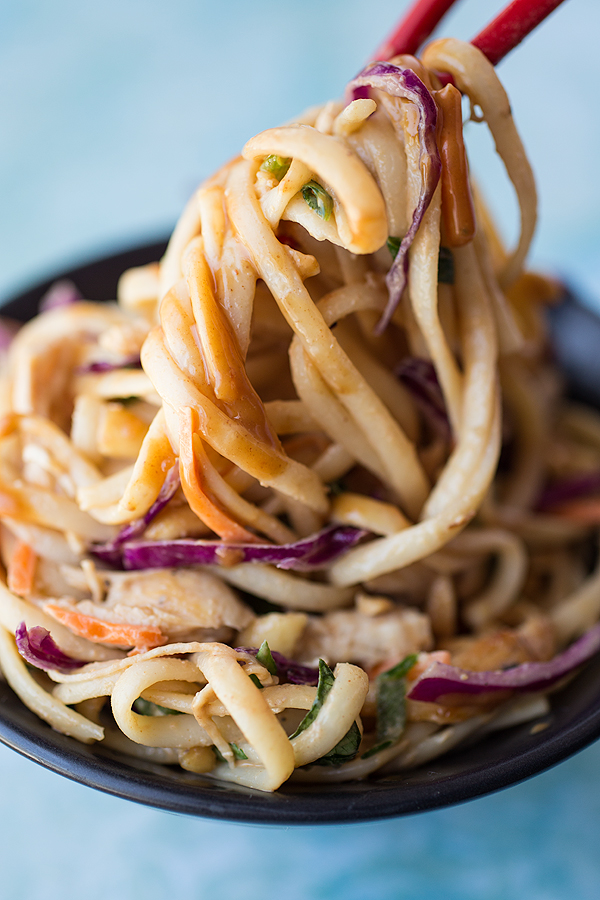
(413, 673)
(233, 390)
(9, 505)
(192, 457)
(587, 512)
(422, 665)
(21, 569)
(121, 634)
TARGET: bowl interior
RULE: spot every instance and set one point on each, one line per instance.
(499, 760)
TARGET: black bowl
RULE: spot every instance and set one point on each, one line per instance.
(499, 760)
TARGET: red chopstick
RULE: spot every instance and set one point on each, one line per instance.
(512, 25)
(501, 36)
(414, 28)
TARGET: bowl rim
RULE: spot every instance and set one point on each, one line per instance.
(445, 783)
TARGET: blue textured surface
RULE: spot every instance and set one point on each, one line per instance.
(110, 114)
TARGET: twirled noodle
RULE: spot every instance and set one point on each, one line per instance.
(475, 75)
(276, 424)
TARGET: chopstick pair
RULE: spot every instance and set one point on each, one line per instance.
(497, 39)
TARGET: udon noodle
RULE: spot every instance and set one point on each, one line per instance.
(343, 465)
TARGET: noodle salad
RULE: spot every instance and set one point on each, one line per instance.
(308, 500)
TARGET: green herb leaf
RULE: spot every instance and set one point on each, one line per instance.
(237, 751)
(336, 487)
(446, 266)
(393, 245)
(276, 166)
(256, 681)
(265, 658)
(324, 685)
(344, 751)
(445, 260)
(318, 199)
(218, 754)
(373, 750)
(145, 708)
(391, 703)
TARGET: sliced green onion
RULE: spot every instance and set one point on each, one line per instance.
(318, 199)
(254, 678)
(276, 166)
(237, 751)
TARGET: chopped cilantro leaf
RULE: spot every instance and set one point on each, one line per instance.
(265, 658)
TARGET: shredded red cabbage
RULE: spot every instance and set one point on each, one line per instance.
(306, 555)
(359, 93)
(112, 552)
(101, 366)
(399, 82)
(419, 377)
(287, 669)
(61, 293)
(569, 489)
(38, 648)
(440, 679)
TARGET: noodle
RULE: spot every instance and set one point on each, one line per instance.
(287, 483)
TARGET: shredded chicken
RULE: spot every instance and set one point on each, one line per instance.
(347, 635)
(532, 641)
(185, 604)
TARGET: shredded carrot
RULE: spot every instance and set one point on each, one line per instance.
(423, 663)
(8, 423)
(192, 457)
(9, 505)
(587, 512)
(121, 634)
(21, 570)
(425, 660)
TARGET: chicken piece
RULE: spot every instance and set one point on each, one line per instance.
(349, 636)
(187, 605)
(532, 641)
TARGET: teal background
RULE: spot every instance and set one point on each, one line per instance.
(110, 113)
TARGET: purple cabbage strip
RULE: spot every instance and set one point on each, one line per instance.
(61, 293)
(399, 82)
(305, 555)
(101, 366)
(360, 93)
(441, 679)
(568, 489)
(112, 552)
(287, 669)
(419, 377)
(38, 648)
